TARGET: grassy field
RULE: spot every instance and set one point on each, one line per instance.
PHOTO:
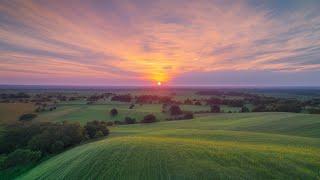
(12, 111)
(83, 113)
(224, 146)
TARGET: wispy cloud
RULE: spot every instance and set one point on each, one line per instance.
(154, 40)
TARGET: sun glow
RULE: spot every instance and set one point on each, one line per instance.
(159, 83)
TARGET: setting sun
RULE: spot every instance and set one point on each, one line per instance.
(159, 83)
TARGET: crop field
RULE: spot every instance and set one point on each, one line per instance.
(224, 146)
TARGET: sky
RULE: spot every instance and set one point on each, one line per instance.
(176, 42)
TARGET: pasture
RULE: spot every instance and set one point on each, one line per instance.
(224, 146)
(12, 111)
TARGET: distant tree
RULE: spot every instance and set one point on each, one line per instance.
(215, 109)
(245, 109)
(175, 110)
(188, 115)
(164, 107)
(150, 118)
(131, 106)
(129, 120)
(198, 103)
(188, 101)
(260, 108)
(314, 111)
(114, 112)
(109, 123)
(118, 122)
(27, 117)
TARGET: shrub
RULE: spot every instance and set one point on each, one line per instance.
(150, 118)
(129, 120)
(114, 112)
(21, 157)
(27, 117)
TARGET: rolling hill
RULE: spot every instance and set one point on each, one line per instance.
(224, 146)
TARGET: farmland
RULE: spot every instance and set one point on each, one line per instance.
(235, 146)
(195, 134)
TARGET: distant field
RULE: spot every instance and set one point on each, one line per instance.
(12, 111)
(222, 146)
(82, 113)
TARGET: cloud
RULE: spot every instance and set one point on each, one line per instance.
(156, 40)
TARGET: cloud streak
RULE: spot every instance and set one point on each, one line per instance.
(138, 41)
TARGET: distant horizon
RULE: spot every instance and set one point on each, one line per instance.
(4, 86)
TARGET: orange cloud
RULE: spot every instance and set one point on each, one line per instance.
(158, 42)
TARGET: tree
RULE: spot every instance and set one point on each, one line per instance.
(215, 109)
(245, 109)
(129, 120)
(57, 147)
(114, 112)
(175, 110)
(109, 123)
(131, 106)
(150, 118)
(21, 157)
(93, 127)
(27, 117)
(198, 103)
(188, 115)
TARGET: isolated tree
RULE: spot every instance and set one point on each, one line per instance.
(129, 120)
(245, 109)
(215, 109)
(150, 118)
(114, 112)
(175, 110)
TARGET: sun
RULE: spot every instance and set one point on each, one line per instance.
(159, 83)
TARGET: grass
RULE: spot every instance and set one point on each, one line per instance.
(223, 146)
(12, 111)
(84, 113)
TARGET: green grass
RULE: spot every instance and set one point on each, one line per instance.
(222, 146)
(83, 113)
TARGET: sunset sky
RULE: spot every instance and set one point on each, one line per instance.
(141, 42)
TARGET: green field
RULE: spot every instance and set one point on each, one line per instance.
(224, 146)
(83, 113)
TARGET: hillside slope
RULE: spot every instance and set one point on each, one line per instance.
(233, 146)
